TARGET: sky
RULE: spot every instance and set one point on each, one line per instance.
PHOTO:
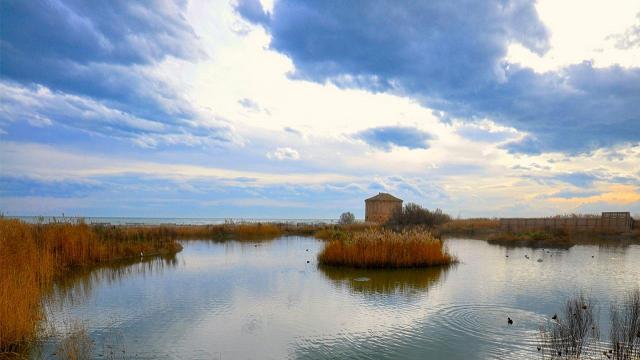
(302, 109)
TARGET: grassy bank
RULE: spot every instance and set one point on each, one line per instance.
(379, 248)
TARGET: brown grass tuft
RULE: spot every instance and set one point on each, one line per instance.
(378, 248)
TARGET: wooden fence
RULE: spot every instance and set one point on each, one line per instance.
(608, 221)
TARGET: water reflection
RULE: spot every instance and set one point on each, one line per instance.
(240, 300)
(77, 286)
(385, 281)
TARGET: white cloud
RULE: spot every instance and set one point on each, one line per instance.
(582, 31)
(283, 153)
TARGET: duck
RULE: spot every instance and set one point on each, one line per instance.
(554, 317)
(509, 321)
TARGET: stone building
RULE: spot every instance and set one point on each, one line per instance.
(379, 208)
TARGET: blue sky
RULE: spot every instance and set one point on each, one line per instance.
(302, 109)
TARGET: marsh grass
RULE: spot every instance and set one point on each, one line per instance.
(383, 248)
(625, 327)
(575, 330)
(32, 256)
(575, 333)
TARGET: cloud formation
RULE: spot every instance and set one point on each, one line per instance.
(283, 153)
(100, 55)
(386, 137)
(455, 63)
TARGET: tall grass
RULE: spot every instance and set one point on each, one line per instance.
(32, 256)
(381, 248)
(625, 327)
(571, 333)
(575, 333)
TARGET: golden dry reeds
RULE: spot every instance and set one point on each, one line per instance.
(32, 256)
(380, 248)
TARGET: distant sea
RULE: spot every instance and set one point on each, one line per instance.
(163, 221)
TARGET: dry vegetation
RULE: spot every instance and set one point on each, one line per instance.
(380, 248)
(575, 333)
(32, 256)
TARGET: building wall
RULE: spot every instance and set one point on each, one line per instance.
(380, 211)
(620, 221)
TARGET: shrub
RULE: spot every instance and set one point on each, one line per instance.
(413, 215)
(347, 218)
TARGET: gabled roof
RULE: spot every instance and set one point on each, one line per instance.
(383, 197)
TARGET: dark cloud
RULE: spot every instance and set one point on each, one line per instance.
(99, 50)
(386, 137)
(453, 62)
(252, 10)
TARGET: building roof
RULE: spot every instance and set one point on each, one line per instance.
(383, 197)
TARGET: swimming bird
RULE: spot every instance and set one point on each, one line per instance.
(539, 260)
(526, 256)
(584, 307)
(307, 261)
(509, 321)
(539, 348)
(554, 317)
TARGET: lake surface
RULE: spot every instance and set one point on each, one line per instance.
(236, 300)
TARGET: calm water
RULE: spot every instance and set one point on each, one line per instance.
(264, 301)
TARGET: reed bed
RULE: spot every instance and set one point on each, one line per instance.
(575, 333)
(381, 248)
(32, 256)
